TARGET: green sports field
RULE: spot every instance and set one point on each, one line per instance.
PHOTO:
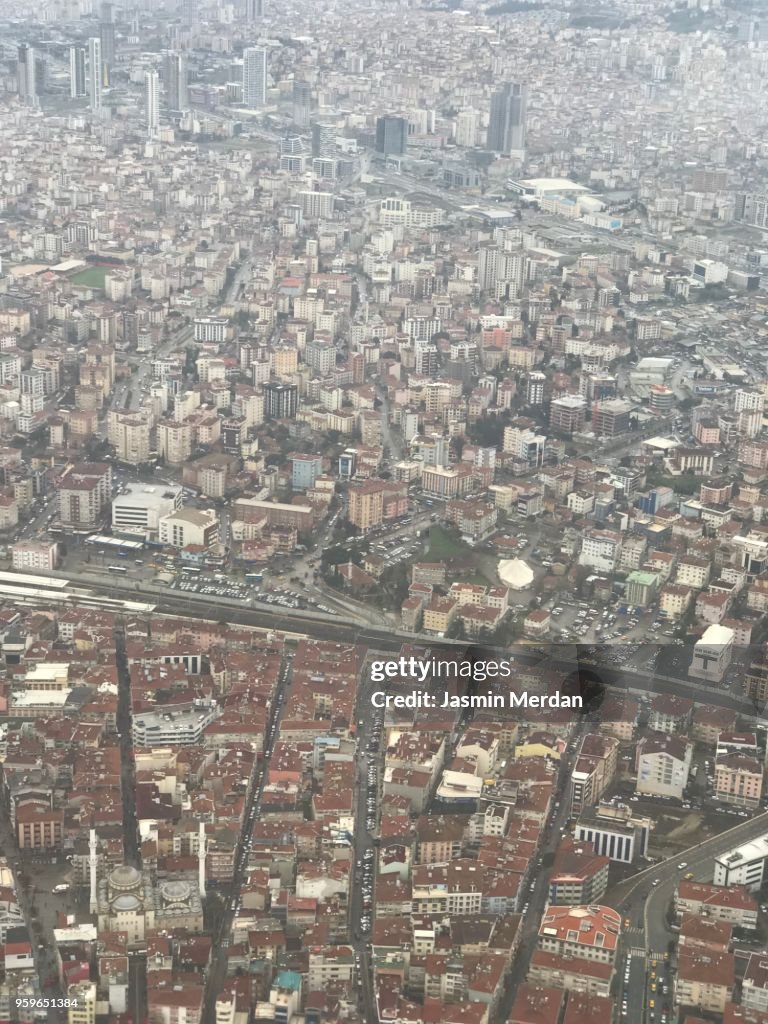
(93, 277)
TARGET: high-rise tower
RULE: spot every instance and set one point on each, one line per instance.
(302, 103)
(175, 80)
(77, 79)
(107, 38)
(95, 73)
(152, 101)
(391, 135)
(255, 76)
(506, 125)
(26, 74)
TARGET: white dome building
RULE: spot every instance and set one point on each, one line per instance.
(515, 573)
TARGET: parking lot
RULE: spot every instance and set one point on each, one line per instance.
(218, 588)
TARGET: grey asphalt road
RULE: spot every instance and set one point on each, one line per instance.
(638, 895)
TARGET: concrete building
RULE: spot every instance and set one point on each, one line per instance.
(366, 505)
(254, 76)
(391, 135)
(739, 780)
(33, 555)
(181, 726)
(507, 119)
(84, 491)
(584, 932)
(140, 509)
(189, 527)
(663, 765)
(614, 832)
(130, 433)
(305, 469)
(712, 654)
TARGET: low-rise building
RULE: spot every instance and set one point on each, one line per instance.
(189, 527)
(743, 865)
(584, 932)
(663, 765)
(139, 509)
(739, 780)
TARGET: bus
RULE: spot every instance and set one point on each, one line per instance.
(194, 572)
(254, 577)
(117, 568)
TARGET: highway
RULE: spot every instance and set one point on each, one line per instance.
(639, 895)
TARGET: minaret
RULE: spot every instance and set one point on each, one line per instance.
(201, 860)
(92, 863)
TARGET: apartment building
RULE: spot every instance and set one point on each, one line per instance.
(130, 433)
(584, 932)
(670, 714)
(704, 980)
(600, 550)
(33, 555)
(84, 491)
(739, 780)
(754, 985)
(593, 770)
(733, 904)
(663, 764)
(579, 875)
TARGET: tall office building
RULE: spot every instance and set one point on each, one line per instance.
(107, 40)
(302, 103)
(77, 79)
(466, 128)
(152, 100)
(323, 138)
(255, 76)
(26, 74)
(391, 135)
(254, 9)
(506, 126)
(95, 73)
(175, 80)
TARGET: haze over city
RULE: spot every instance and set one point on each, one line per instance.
(383, 554)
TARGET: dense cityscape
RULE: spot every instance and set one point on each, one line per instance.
(384, 512)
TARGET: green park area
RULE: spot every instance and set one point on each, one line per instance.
(92, 277)
(445, 545)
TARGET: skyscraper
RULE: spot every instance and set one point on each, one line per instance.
(323, 138)
(77, 80)
(107, 40)
(254, 9)
(152, 100)
(506, 125)
(175, 80)
(26, 76)
(255, 76)
(302, 103)
(95, 73)
(391, 135)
